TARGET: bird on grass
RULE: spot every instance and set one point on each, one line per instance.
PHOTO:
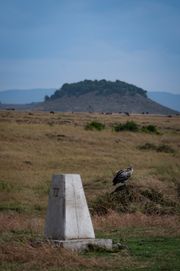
(122, 176)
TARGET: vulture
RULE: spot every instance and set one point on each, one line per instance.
(122, 176)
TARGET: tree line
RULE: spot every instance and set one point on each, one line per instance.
(101, 87)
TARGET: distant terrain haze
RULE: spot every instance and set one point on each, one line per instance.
(168, 99)
(25, 96)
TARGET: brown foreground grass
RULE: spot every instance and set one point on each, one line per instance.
(44, 256)
(115, 220)
(35, 146)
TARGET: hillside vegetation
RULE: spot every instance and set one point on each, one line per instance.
(102, 96)
(102, 87)
(144, 216)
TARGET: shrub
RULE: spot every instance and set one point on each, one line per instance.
(95, 125)
(128, 126)
(134, 127)
(150, 129)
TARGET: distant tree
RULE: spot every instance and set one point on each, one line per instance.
(46, 98)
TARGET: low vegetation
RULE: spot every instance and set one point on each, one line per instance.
(102, 87)
(150, 129)
(132, 126)
(95, 125)
(159, 148)
(128, 126)
(5, 186)
(143, 217)
(134, 199)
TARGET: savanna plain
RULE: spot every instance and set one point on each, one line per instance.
(143, 216)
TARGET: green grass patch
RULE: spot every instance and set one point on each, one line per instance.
(150, 129)
(21, 208)
(131, 126)
(8, 187)
(6, 266)
(95, 125)
(12, 206)
(162, 253)
(150, 253)
(16, 235)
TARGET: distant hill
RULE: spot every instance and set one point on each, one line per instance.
(102, 96)
(91, 95)
(165, 98)
(24, 96)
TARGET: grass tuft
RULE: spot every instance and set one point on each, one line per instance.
(161, 148)
(16, 207)
(165, 148)
(7, 187)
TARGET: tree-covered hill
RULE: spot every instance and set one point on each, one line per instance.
(101, 87)
(102, 96)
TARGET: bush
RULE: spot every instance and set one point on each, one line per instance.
(95, 125)
(150, 129)
(134, 127)
(128, 126)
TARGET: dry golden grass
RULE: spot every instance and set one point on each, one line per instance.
(19, 222)
(34, 147)
(45, 256)
(113, 220)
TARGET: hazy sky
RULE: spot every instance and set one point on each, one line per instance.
(45, 43)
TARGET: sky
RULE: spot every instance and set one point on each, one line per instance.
(46, 43)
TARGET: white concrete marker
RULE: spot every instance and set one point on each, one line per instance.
(68, 215)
